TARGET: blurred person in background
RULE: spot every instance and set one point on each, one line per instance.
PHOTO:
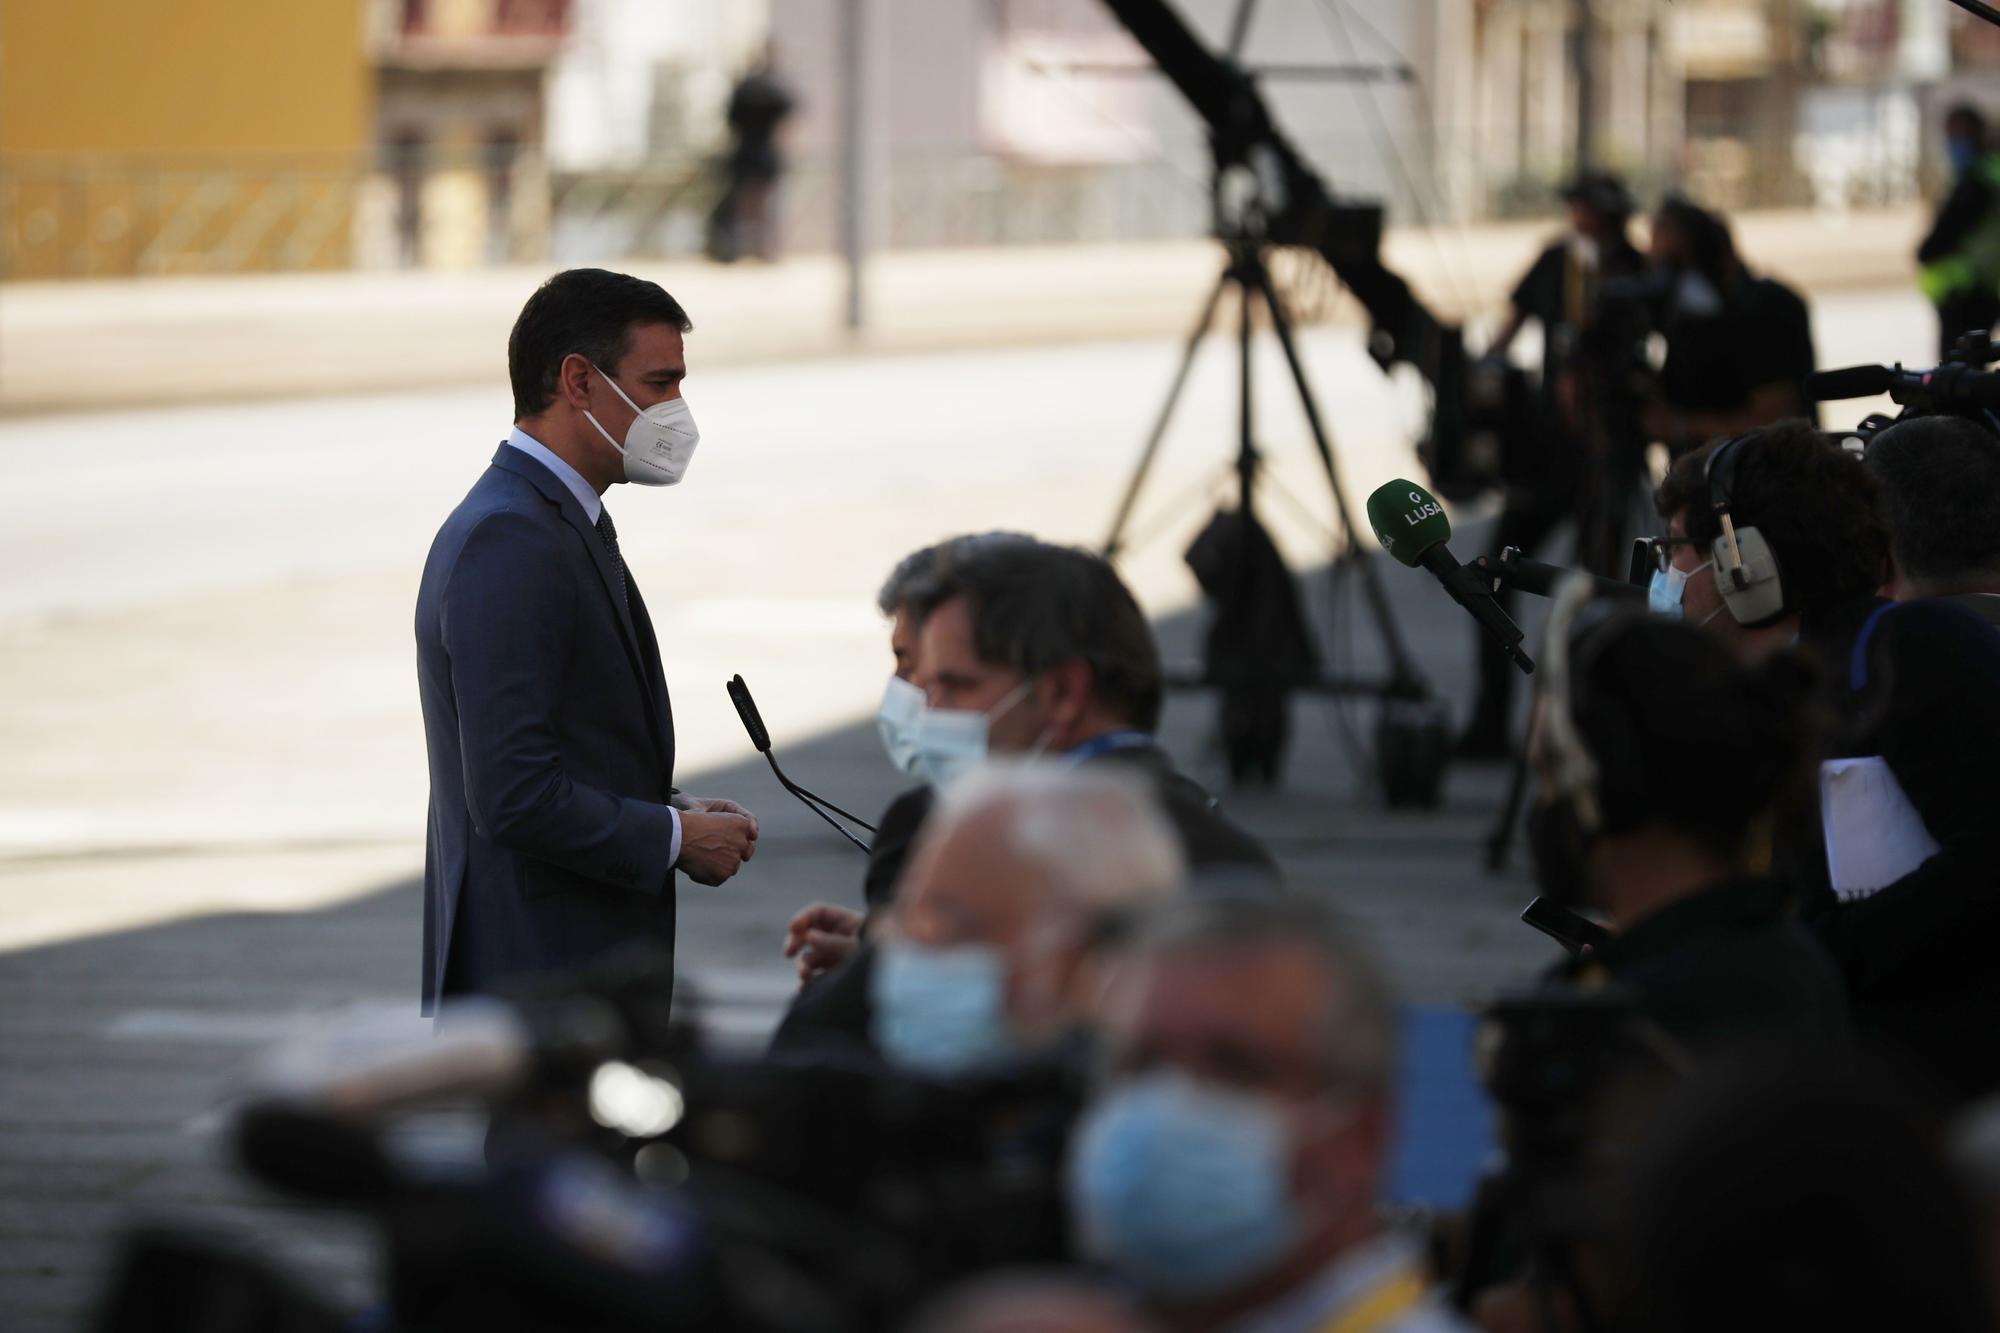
(1228, 1169)
(1959, 258)
(1659, 760)
(1810, 575)
(745, 218)
(1587, 463)
(987, 957)
(1939, 481)
(1791, 1193)
(1738, 346)
(555, 830)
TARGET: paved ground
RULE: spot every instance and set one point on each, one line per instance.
(119, 343)
(211, 801)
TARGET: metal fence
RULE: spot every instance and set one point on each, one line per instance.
(80, 217)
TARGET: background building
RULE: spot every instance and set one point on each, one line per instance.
(149, 138)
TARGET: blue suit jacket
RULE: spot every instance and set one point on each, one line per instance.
(551, 741)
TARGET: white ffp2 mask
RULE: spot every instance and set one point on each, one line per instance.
(658, 444)
(897, 718)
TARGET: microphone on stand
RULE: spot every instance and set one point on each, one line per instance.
(753, 723)
(1411, 525)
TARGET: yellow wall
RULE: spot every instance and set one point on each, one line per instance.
(173, 76)
(180, 136)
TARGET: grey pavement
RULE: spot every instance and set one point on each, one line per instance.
(138, 342)
(123, 1049)
(212, 787)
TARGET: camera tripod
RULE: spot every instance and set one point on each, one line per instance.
(1250, 276)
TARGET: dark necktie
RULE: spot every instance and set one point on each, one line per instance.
(607, 532)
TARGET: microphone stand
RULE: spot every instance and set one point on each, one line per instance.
(753, 723)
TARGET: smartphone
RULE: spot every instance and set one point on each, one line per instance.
(1573, 930)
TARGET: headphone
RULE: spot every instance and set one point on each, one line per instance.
(1746, 568)
(1579, 632)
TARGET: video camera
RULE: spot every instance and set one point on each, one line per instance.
(1961, 386)
(634, 1179)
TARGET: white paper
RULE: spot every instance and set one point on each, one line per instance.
(1874, 836)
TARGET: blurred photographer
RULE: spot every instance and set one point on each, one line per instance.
(1784, 1192)
(1659, 757)
(1588, 451)
(1960, 256)
(1228, 1170)
(1019, 871)
(1939, 479)
(1773, 539)
(1738, 345)
(1923, 697)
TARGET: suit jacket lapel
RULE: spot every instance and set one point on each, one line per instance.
(521, 465)
(649, 649)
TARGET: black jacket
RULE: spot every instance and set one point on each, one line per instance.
(1917, 956)
(831, 1016)
(1970, 200)
(1727, 966)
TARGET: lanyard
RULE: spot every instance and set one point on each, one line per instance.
(1385, 1303)
(1109, 741)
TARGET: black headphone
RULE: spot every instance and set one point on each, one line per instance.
(1745, 566)
(1605, 781)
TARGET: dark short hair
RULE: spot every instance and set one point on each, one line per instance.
(1709, 238)
(1812, 500)
(1784, 1188)
(1686, 735)
(916, 571)
(1036, 606)
(1360, 1034)
(1965, 116)
(1939, 479)
(589, 311)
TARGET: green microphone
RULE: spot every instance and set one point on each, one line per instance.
(1411, 525)
(1408, 521)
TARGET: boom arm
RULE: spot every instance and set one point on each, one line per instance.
(1302, 210)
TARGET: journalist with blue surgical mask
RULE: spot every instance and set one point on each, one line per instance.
(555, 832)
(1227, 1170)
(1027, 649)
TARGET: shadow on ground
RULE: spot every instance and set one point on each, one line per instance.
(119, 1049)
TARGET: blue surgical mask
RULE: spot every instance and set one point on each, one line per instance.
(1963, 154)
(941, 1013)
(1184, 1189)
(901, 708)
(950, 742)
(1668, 587)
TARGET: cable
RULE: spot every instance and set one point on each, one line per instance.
(1334, 14)
(1980, 9)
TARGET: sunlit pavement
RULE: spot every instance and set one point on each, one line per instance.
(212, 797)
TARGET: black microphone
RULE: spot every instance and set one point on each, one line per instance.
(1515, 570)
(1825, 386)
(753, 722)
(1411, 525)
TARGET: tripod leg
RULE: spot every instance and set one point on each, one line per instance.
(1500, 837)
(1116, 540)
(1378, 601)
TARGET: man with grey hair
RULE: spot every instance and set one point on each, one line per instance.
(1229, 1168)
(1020, 873)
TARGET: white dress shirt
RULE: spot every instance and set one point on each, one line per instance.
(593, 505)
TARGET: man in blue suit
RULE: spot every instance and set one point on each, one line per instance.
(555, 829)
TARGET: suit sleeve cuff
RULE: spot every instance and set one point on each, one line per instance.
(674, 847)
